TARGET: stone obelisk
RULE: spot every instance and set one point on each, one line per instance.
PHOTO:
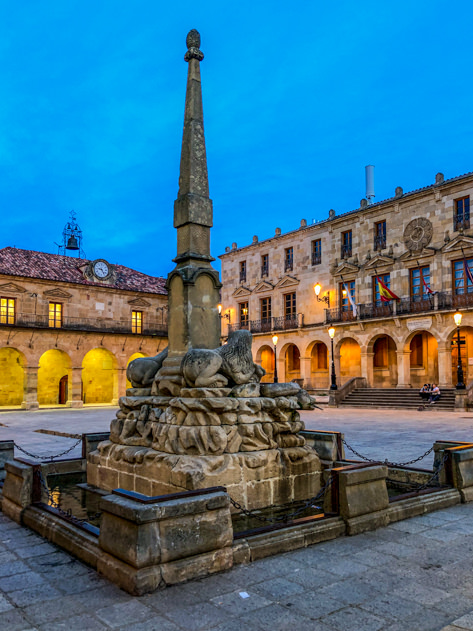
(193, 285)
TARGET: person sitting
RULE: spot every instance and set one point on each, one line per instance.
(435, 394)
(424, 392)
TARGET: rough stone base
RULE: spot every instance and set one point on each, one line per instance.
(254, 479)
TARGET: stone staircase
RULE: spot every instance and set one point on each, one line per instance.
(396, 398)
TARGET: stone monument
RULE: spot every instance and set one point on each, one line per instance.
(197, 415)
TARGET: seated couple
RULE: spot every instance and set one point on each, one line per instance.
(430, 392)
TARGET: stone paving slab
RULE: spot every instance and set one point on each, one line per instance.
(391, 579)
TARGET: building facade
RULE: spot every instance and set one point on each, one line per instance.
(69, 327)
(417, 246)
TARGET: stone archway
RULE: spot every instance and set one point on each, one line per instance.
(383, 349)
(423, 359)
(350, 359)
(292, 363)
(319, 366)
(12, 377)
(99, 376)
(265, 358)
(134, 356)
(54, 376)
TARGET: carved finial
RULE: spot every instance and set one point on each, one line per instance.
(255, 239)
(399, 192)
(303, 223)
(193, 45)
(447, 236)
(277, 232)
(331, 214)
(439, 178)
(363, 203)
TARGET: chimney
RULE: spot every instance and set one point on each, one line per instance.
(369, 173)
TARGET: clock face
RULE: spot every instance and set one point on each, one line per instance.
(101, 269)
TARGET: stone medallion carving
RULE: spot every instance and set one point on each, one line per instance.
(418, 234)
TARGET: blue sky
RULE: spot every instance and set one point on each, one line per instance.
(298, 98)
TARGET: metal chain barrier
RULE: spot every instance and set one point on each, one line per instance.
(421, 487)
(287, 517)
(387, 462)
(44, 458)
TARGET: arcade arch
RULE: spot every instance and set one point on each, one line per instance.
(12, 376)
(99, 376)
(383, 348)
(350, 359)
(265, 358)
(292, 363)
(54, 374)
(319, 366)
(423, 359)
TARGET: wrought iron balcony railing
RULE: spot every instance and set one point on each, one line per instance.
(267, 325)
(316, 258)
(288, 264)
(379, 242)
(35, 321)
(461, 223)
(242, 277)
(346, 251)
(264, 270)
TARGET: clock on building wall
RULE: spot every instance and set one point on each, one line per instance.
(418, 234)
(101, 269)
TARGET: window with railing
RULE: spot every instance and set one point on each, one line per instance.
(380, 235)
(347, 291)
(265, 265)
(244, 314)
(386, 280)
(242, 271)
(346, 244)
(463, 282)
(420, 283)
(290, 307)
(7, 311)
(317, 252)
(265, 308)
(288, 259)
(461, 217)
(55, 315)
(136, 321)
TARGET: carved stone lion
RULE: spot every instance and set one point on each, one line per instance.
(142, 370)
(231, 364)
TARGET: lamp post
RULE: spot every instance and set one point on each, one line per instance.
(333, 385)
(460, 384)
(275, 342)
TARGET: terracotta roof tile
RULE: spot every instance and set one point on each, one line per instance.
(30, 264)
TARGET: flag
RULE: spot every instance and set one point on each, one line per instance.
(468, 273)
(384, 293)
(350, 299)
(429, 291)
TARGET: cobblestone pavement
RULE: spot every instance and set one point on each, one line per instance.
(415, 575)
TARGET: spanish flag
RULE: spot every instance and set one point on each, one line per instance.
(384, 293)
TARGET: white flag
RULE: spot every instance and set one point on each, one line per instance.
(350, 299)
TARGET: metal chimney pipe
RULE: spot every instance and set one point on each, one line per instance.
(369, 173)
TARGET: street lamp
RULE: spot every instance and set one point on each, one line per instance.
(326, 298)
(460, 383)
(275, 342)
(333, 385)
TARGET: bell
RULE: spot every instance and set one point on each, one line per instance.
(72, 243)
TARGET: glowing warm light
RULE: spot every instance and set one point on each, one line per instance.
(317, 289)
(275, 339)
(458, 318)
(344, 293)
(244, 311)
(331, 332)
(219, 309)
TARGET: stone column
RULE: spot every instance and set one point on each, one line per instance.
(367, 367)
(30, 390)
(74, 395)
(445, 365)
(403, 369)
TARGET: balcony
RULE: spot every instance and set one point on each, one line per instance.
(288, 264)
(316, 258)
(461, 223)
(379, 243)
(267, 325)
(35, 321)
(346, 251)
(243, 276)
(264, 270)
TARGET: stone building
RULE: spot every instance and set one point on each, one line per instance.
(69, 327)
(418, 244)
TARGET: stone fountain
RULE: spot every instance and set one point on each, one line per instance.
(198, 415)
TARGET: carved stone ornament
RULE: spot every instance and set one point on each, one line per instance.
(418, 234)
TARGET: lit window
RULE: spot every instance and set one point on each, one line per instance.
(136, 321)
(243, 306)
(7, 311)
(55, 315)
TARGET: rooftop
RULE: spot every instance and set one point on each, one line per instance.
(58, 268)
